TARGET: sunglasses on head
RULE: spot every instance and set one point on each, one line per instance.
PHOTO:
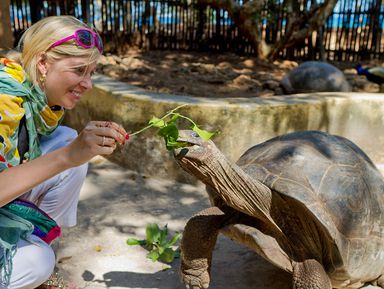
(84, 37)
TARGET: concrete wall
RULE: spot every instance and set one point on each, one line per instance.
(243, 122)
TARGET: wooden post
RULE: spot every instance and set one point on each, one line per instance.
(6, 35)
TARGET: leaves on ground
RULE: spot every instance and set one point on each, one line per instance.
(158, 244)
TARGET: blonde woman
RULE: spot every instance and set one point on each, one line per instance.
(43, 165)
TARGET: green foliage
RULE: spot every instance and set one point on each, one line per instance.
(157, 243)
(167, 128)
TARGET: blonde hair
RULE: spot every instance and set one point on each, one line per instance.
(41, 35)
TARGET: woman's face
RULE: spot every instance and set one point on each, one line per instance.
(67, 80)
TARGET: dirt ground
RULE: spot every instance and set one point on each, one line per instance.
(211, 74)
(117, 204)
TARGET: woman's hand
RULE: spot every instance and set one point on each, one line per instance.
(97, 138)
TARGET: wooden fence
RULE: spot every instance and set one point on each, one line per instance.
(354, 32)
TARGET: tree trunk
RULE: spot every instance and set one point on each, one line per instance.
(299, 25)
(6, 35)
(243, 16)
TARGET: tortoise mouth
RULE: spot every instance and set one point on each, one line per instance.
(186, 145)
(179, 153)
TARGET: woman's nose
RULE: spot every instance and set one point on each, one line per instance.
(86, 82)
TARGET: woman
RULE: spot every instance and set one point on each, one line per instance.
(43, 165)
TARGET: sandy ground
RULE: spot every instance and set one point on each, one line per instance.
(117, 204)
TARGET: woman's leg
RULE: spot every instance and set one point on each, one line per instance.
(59, 196)
(32, 265)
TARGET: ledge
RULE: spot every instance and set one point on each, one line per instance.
(243, 122)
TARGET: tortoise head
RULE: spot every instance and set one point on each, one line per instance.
(228, 182)
(198, 157)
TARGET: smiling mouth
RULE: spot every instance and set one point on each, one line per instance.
(76, 93)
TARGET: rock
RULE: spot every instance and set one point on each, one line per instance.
(224, 65)
(315, 76)
(286, 64)
(244, 80)
(249, 63)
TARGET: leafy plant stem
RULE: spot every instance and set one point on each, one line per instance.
(171, 112)
(187, 118)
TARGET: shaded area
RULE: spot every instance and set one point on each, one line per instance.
(117, 204)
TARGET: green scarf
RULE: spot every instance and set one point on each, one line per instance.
(40, 120)
(12, 228)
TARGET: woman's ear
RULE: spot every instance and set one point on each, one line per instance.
(42, 63)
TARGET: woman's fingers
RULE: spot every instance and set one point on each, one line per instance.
(111, 124)
(107, 142)
(113, 131)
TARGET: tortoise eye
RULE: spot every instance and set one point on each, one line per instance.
(195, 134)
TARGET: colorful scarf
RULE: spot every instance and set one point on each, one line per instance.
(19, 219)
(43, 225)
(40, 119)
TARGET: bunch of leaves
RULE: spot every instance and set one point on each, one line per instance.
(168, 129)
(158, 244)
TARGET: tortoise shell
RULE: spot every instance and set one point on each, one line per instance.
(340, 188)
(315, 76)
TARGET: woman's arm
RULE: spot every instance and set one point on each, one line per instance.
(97, 138)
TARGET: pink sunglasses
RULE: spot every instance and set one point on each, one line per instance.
(84, 37)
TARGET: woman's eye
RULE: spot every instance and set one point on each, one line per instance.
(80, 70)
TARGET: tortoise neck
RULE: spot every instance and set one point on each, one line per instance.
(239, 190)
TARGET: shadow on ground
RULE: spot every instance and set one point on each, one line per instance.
(117, 204)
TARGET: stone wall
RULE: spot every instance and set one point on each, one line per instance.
(242, 122)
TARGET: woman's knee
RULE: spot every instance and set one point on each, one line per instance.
(32, 264)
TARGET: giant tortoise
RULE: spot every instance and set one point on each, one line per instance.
(315, 76)
(309, 202)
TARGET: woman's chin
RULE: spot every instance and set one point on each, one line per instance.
(69, 106)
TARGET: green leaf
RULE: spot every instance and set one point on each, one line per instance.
(174, 239)
(163, 237)
(205, 135)
(170, 130)
(165, 267)
(170, 134)
(132, 242)
(167, 256)
(153, 255)
(153, 233)
(157, 122)
(174, 117)
(157, 243)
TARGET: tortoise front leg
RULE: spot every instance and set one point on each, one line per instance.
(310, 274)
(199, 238)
